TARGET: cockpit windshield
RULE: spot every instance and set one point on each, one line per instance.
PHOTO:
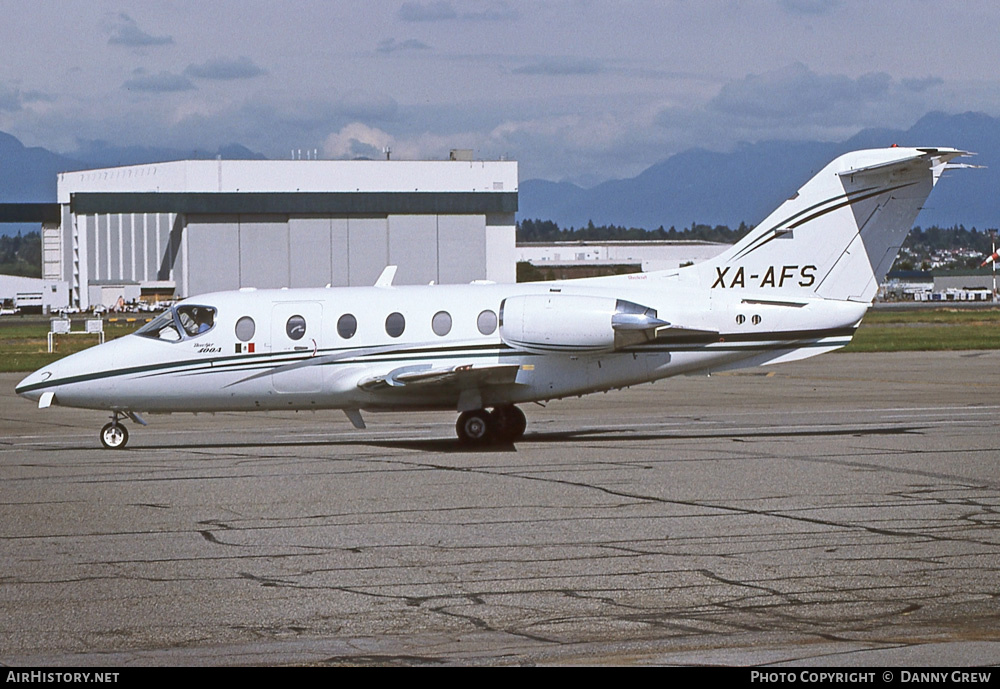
(180, 322)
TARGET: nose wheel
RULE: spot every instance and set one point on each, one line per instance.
(114, 436)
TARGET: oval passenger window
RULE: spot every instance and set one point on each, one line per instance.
(441, 323)
(245, 328)
(395, 324)
(347, 326)
(487, 322)
(295, 327)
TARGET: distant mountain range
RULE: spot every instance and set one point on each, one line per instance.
(28, 175)
(748, 183)
(693, 186)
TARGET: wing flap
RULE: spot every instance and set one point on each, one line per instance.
(425, 376)
(675, 332)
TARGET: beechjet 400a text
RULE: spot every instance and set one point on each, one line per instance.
(794, 287)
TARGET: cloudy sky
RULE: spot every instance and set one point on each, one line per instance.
(581, 90)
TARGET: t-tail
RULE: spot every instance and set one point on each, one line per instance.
(838, 236)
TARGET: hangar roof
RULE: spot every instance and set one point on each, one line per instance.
(294, 176)
(283, 186)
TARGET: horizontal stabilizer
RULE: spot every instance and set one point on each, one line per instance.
(921, 158)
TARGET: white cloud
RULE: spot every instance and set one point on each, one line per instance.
(441, 10)
(10, 99)
(560, 66)
(921, 85)
(795, 91)
(161, 82)
(225, 69)
(126, 32)
(391, 45)
(427, 12)
(357, 140)
(810, 7)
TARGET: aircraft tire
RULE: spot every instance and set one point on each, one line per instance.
(114, 436)
(508, 423)
(474, 427)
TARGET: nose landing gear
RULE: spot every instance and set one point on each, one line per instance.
(114, 436)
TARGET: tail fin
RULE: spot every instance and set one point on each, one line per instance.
(839, 234)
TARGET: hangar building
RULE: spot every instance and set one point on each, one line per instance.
(193, 226)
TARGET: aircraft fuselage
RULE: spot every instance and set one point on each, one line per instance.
(797, 285)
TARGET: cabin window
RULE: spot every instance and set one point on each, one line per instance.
(487, 322)
(295, 327)
(245, 329)
(196, 319)
(347, 326)
(441, 323)
(161, 328)
(395, 324)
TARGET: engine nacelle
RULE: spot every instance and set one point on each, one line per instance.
(575, 323)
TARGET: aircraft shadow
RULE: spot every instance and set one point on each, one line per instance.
(593, 435)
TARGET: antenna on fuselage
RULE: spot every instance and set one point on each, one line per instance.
(385, 279)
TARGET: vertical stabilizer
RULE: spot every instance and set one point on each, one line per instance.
(839, 234)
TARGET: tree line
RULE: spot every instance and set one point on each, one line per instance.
(21, 254)
(548, 231)
(931, 239)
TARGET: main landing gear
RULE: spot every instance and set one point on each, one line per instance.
(504, 424)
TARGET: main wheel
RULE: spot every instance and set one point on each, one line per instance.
(114, 436)
(508, 423)
(473, 427)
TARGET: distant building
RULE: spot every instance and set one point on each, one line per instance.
(648, 255)
(962, 288)
(33, 294)
(923, 286)
(187, 227)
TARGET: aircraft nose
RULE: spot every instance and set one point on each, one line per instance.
(33, 385)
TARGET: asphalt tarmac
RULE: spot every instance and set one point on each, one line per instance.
(840, 511)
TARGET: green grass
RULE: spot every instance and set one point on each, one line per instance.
(927, 329)
(933, 315)
(24, 342)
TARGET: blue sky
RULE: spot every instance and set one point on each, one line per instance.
(574, 89)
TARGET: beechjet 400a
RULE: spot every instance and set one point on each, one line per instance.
(794, 287)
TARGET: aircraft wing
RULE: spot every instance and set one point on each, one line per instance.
(675, 332)
(458, 377)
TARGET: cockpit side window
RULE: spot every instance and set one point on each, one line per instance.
(196, 319)
(161, 328)
(179, 322)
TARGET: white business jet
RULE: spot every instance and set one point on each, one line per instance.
(794, 287)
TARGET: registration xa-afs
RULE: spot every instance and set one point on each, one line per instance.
(796, 286)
